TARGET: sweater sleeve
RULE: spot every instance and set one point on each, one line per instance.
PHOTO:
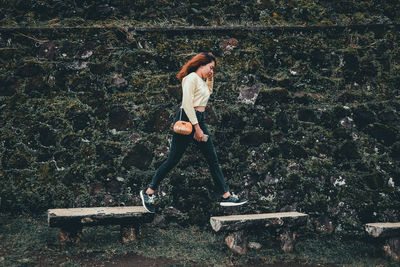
(188, 87)
(210, 83)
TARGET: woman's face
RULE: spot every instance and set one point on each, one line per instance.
(207, 71)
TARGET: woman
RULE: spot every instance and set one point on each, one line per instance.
(197, 85)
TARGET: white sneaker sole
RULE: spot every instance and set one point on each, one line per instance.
(144, 206)
(231, 204)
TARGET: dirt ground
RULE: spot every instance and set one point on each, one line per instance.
(140, 261)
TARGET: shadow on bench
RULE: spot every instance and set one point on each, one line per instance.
(390, 232)
(236, 225)
(71, 221)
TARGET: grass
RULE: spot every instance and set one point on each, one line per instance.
(28, 241)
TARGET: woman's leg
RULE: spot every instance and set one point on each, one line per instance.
(178, 146)
(208, 150)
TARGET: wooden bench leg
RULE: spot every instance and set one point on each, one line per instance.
(70, 235)
(392, 248)
(287, 240)
(237, 242)
(129, 233)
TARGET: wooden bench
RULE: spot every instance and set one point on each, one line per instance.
(235, 225)
(72, 220)
(390, 232)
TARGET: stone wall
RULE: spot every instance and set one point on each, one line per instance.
(303, 120)
(183, 12)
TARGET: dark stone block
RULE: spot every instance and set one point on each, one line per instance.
(8, 86)
(255, 138)
(29, 69)
(307, 115)
(283, 121)
(107, 152)
(347, 96)
(291, 150)
(211, 116)
(232, 120)
(80, 121)
(363, 116)
(351, 65)
(388, 116)
(70, 140)
(48, 50)
(341, 112)
(159, 121)
(139, 156)
(270, 96)
(395, 150)
(47, 137)
(383, 133)
(341, 133)
(302, 98)
(374, 180)
(119, 119)
(347, 150)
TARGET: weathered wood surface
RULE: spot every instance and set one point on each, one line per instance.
(383, 229)
(237, 222)
(74, 217)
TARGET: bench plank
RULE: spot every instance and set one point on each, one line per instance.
(237, 222)
(96, 216)
(383, 229)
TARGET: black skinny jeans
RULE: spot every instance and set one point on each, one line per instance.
(178, 147)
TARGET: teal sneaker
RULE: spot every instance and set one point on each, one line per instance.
(147, 201)
(231, 201)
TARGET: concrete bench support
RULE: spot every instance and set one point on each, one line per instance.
(71, 221)
(236, 225)
(390, 232)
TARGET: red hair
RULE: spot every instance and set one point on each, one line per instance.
(194, 63)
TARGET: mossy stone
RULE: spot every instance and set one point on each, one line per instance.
(139, 156)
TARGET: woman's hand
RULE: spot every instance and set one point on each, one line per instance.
(198, 134)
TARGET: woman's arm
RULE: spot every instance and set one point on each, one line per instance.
(188, 87)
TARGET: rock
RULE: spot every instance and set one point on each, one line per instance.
(347, 150)
(119, 82)
(363, 116)
(95, 189)
(139, 156)
(302, 97)
(237, 242)
(395, 150)
(307, 115)
(249, 95)
(287, 241)
(254, 245)
(255, 138)
(108, 200)
(128, 234)
(48, 49)
(120, 119)
(78, 65)
(135, 137)
(8, 86)
(228, 45)
(271, 95)
(347, 122)
(383, 133)
(85, 51)
(324, 225)
(160, 121)
(270, 180)
(392, 248)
